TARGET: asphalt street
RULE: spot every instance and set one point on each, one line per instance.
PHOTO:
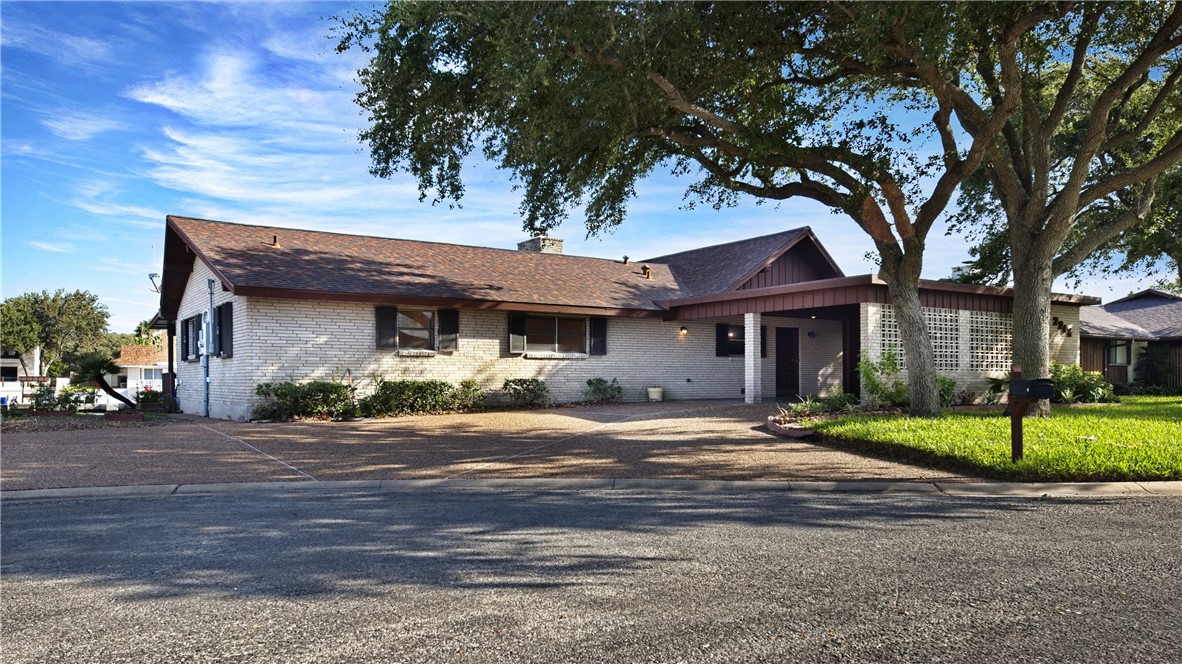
(545, 576)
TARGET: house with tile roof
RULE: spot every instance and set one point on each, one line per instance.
(771, 317)
(1114, 335)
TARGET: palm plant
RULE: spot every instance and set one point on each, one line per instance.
(93, 369)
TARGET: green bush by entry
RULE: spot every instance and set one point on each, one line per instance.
(1074, 385)
(316, 399)
(392, 398)
(527, 392)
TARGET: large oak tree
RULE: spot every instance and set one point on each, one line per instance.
(775, 101)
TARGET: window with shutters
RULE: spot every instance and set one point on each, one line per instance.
(552, 334)
(190, 337)
(417, 330)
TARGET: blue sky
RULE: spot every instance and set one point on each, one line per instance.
(116, 114)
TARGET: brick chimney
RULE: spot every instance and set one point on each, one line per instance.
(542, 245)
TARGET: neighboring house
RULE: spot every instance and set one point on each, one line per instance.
(142, 367)
(15, 382)
(771, 317)
(1115, 334)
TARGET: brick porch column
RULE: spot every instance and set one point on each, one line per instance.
(752, 367)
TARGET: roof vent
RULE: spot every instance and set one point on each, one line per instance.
(647, 272)
(541, 245)
(625, 259)
(275, 241)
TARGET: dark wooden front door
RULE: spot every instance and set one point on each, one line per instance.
(787, 362)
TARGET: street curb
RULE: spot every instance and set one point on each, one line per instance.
(865, 487)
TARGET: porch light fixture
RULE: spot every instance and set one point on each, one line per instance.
(683, 330)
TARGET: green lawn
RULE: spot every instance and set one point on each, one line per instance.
(1140, 439)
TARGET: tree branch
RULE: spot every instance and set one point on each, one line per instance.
(1090, 242)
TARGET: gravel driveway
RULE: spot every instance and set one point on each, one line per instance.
(674, 440)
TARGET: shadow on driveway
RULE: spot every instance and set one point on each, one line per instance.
(673, 440)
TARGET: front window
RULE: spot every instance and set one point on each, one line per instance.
(8, 373)
(152, 374)
(416, 330)
(555, 335)
(1118, 353)
(734, 339)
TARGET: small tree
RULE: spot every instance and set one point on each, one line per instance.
(93, 370)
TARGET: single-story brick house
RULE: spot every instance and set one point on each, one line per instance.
(1113, 335)
(770, 317)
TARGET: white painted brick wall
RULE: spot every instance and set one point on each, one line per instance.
(1063, 349)
(300, 340)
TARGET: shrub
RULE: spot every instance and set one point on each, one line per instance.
(419, 397)
(1073, 384)
(469, 396)
(1154, 370)
(527, 392)
(148, 395)
(881, 381)
(838, 399)
(599, 390)
(319, 399)
(947, 389)
(48, 398)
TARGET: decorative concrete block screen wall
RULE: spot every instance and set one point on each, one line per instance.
(968, 346)
(302, 340)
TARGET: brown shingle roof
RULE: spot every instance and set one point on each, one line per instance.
(141, 356)
(1146, 315)
(720, 267)
(334, 263)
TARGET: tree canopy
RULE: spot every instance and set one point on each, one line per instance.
(19, 329)
(65, 322)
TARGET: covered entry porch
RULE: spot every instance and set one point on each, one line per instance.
(969, 324)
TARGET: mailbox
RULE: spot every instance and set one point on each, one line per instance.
(1036, 388)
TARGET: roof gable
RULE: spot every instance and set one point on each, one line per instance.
(726, 267)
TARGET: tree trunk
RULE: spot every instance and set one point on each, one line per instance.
(1032, 311)
(902, 277)
(106, 387)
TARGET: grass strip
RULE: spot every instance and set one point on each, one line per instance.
(1139, 439)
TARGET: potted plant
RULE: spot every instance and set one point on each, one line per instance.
(655, 393)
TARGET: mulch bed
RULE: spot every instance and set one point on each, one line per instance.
(33, 424)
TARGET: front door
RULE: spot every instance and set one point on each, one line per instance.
(787, 362)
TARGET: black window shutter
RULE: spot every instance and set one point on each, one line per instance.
(198, 331)
(516, 333)
(721, 340)
(226, 325)
(763, 340)
(598, 336)
(183, 333)
(449, 329)
(387, 324)
(215, 332)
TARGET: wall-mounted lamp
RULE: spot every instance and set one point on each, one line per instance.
(683, 330)
(812, 335)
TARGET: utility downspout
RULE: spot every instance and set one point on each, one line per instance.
(208, 331)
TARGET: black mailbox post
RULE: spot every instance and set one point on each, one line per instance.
(1023, 392)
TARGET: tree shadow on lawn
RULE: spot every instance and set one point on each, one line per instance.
(365, 544)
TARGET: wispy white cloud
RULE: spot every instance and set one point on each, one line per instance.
(66, 49)
(80, 126)
(122, 266)
(56, 248)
